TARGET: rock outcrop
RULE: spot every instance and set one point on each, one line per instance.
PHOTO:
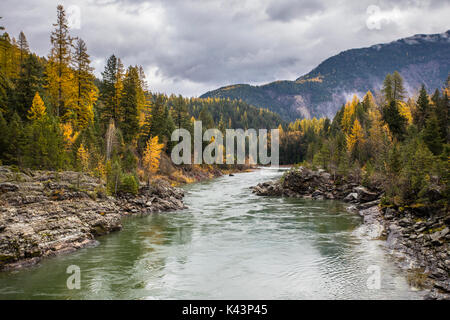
(305, 183)
(44, 213)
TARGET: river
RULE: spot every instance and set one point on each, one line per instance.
(229, 244)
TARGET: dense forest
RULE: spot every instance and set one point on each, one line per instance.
(55, 114)
(390, 142)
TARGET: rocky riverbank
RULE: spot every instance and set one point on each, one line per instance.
(418, 238)
(44, 213)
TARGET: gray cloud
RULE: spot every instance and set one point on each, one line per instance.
(191, 46)
(287, 10)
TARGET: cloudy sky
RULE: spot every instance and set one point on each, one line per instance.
(191, 46)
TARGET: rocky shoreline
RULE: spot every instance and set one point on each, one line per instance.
(45, 213)
(419, 240)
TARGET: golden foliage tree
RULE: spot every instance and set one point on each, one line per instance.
(152, 155)
(83, 157)
(69, 135)
(356, 136)
(349, 114)
(37, 110)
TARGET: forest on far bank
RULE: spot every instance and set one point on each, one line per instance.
(55, 115)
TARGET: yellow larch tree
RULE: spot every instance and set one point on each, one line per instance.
(68, 133)
(405, 110)
(83, 157)
(356, 136)
(152, 156)
(349, 112)
(37, 110)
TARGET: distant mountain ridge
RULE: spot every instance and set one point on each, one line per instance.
(419, 59)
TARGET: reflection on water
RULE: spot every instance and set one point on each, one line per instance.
(229, 244)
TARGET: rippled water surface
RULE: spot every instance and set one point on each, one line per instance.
(229, 244)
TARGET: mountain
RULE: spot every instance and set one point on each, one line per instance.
(321, 92)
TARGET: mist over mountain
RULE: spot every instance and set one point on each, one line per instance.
(321, 92)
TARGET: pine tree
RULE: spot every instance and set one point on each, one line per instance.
(158, 120)
(395, 121)
(59, 75)
(15, 140)
(206, 118)
(86, 92)
(129, 105)
(5, 86)
(23, 47)
(422, 108)
(393, 88)
(398, 89)
(387, 88)
(432, 135)
(111, 89)
(45, 145)
(180, 114)
(37, 110)
(118, 89)
(4, 132)
(29, 82)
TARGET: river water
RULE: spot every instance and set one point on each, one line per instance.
(229, 244)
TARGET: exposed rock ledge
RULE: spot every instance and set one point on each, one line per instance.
(45, 213)
(419, 240)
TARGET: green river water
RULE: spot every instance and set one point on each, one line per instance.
(229, 244)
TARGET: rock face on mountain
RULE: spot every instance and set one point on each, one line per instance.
(321, 92)
(45, 213)
(421, 242)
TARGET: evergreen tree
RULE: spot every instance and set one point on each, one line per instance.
(129, 105)
(393, 88)
(5, 85)
(4, 132)
(395, 121)
(422, 108)
(29, 82)
(59, 75)
(398, 89)
(111, 89)
(23, 47)
(158, 120)
(45, 145)
(86, 92)
(432, 135)
(180, 114)
(206, 118)
(15, 140)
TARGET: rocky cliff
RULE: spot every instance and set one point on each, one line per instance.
(44, 213)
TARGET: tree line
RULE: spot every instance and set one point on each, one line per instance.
(388, 141)
(56, 115)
